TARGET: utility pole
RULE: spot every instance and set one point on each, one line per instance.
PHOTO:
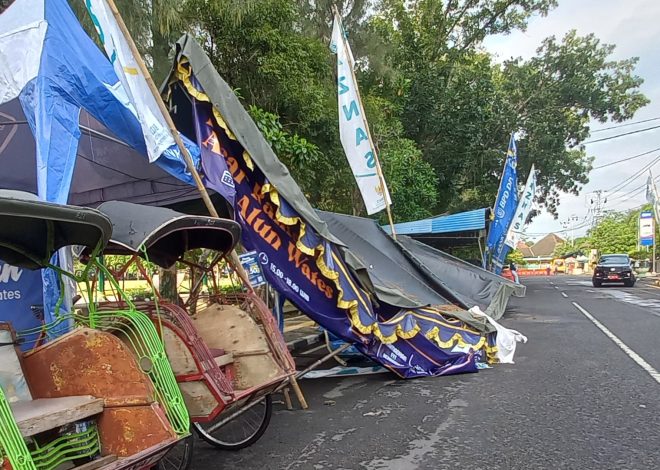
(596, 205)
(655, 212)
(569, 224)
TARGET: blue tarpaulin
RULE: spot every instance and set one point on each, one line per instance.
(56, 70)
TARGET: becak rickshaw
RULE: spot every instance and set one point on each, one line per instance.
(98, 396)
(225, 348)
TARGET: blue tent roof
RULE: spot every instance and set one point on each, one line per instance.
(461, 222)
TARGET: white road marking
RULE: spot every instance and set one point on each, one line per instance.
(632, 354)
(577, 282)
(650, 306)
(556, 287)
(564, 294)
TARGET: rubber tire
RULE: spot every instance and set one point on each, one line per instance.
(254, 438)
(597, 283)
(629, 283)
(188, 458)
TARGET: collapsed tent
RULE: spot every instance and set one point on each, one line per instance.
(395, 279)
(408, 273)
(300, 256)
(475, 285)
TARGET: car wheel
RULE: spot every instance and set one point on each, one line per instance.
(597, 283)
(629, 283)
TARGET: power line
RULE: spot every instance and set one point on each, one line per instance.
(633, 177)
(626, 159)
(631, 194)
(627, 124)
(621, 135)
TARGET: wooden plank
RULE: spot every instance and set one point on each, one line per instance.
(224, 359)
(229, 328)
(41, 415)
(98, 463)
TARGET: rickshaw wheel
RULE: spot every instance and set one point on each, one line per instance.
(241, 432)
(179, 457)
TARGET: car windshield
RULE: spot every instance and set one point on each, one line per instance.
(614, 259)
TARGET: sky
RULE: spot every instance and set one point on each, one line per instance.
(634, 27)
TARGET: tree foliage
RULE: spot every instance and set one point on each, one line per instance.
(616, 233)
(516, 257)
(440, 107)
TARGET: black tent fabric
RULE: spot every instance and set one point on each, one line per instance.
(166, 235)
(409, 274)
(33, 230)
(473, 284)
(396, 280)
(106, 168)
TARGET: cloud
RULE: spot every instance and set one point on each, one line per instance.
(633, 27)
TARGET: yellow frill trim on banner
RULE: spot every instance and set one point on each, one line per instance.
(457, 339)
(183, 73)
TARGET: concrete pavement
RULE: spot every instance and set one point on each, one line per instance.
(574, 399)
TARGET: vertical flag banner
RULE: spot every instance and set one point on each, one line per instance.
(353, 127)
(156, 132)
(505, 207)
(522, 212)
(652, 196)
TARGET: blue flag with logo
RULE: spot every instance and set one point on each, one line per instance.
(504, 210)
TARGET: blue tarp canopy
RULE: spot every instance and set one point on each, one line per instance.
(443, 231)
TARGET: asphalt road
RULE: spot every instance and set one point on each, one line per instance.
(576, 398)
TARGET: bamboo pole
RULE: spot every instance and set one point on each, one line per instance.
(238, 267)
(236, 263)
(379, 169)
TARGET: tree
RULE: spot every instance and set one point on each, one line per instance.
(616, 233)
(156, 25)
(460, 107)
(516, 257)
(411, 181)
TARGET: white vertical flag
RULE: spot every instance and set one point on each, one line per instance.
(141, 101)
(353, 128)
(522, 211)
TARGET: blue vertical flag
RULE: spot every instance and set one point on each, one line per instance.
(504, 210)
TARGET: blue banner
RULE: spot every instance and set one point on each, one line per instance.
(20, 290)
(503, 212)
(311, 273)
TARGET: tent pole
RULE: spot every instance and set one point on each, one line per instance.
(233, 256)
(236, 264)
(379, 169)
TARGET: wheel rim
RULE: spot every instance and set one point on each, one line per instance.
(179, 456)
(240, 431)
